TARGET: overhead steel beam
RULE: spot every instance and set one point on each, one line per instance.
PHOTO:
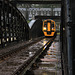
(38, 2)
(48, 17)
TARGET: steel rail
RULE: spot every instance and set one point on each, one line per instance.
(26, 66)
(12, 51)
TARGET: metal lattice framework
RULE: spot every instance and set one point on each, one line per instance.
(13, 26)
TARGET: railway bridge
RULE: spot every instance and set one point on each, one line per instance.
(24, 50)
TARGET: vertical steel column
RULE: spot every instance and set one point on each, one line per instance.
(1, 16)
(69, 48)
(12, 28)
(72, 6)
(61, 35)
(52, 11)
(0, 26)
(7, 23)
(27, 15)
(69, 39)
(4, 24)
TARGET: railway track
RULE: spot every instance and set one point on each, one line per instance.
(6, 52)
(21, 61)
